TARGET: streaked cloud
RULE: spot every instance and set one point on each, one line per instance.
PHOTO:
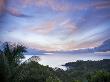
(44, 28)
(16, 12)
(10, 10)
(2, 5)
(104, 47)
(53, 25)
(54, 5)
(64, 6)
(101, 5)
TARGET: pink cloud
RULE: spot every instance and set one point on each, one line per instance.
(43, 28)
(2, 5)
(70, 26)
(50, 25)
(55, 5)
(101, 5)
(10, 10)
(15, 12)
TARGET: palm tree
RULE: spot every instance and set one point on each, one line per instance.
(10, 59)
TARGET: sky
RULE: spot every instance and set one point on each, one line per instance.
(55, 25)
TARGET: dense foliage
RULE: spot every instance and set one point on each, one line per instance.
(13, 70)
(80, 70)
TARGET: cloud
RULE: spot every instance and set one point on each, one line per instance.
(84, 48)
(10, 10)
(15, 12)
(94, 5)
(2, 5)
(69, 25)
(54, 26)
(31, 51)
(59, 28)
(43, 28)
(101, 5)
(61, 6)
(105, 46)
(54, 5)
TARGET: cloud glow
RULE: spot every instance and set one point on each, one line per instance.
(53, 25)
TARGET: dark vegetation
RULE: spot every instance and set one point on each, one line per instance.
(12, 70)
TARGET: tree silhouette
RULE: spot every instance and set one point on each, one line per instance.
(10, 59)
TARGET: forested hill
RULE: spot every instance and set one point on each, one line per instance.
(83, 70)
(89, 65)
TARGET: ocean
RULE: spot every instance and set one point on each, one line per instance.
(57, 60)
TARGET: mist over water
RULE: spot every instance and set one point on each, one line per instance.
(57, 60)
